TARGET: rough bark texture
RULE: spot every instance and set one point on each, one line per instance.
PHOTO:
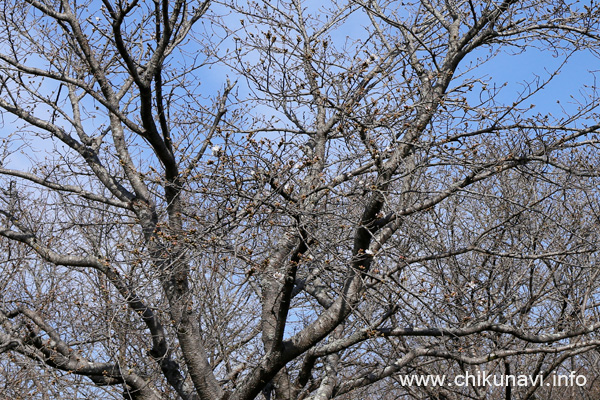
(291, 200)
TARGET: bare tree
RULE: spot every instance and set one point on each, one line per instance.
(285, 200)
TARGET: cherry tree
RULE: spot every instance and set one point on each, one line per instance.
(285, 200)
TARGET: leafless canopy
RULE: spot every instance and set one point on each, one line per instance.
(294, 200)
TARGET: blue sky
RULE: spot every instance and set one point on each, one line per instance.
(515, 69)
(508, 67)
